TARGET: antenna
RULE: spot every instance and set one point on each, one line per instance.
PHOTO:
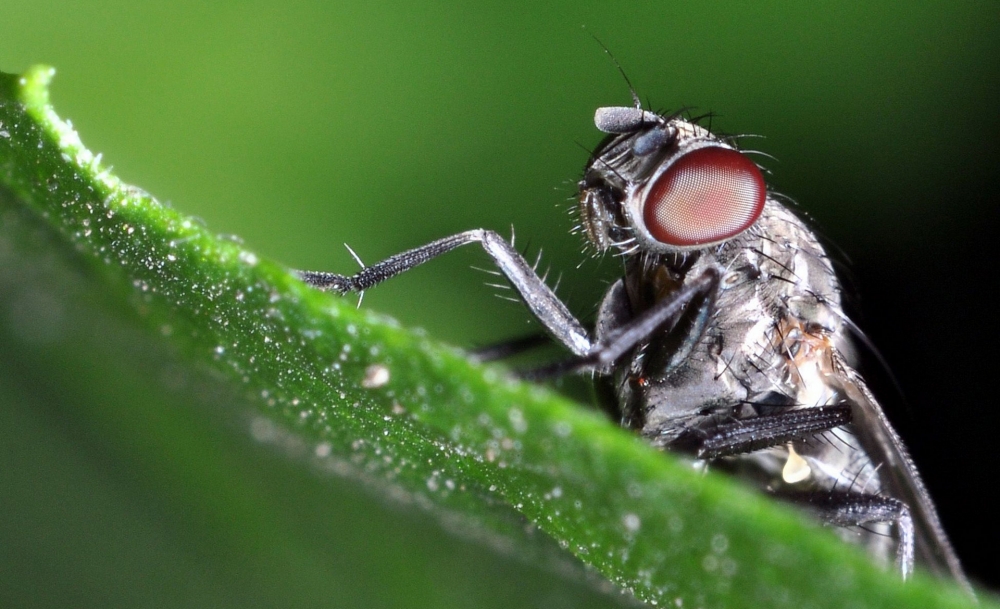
(635, 97)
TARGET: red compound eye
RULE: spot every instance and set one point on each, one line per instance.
(707, 195)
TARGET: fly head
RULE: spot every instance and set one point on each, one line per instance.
(662, 185)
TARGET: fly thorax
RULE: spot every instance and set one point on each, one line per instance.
(807, 353)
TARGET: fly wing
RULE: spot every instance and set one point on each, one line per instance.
(901, 480)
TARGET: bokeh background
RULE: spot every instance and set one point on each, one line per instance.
(301, 125)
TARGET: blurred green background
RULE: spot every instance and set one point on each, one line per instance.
(299, 126)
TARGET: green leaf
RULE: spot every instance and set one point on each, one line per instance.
(189, 409)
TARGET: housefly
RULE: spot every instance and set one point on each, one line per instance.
(725, 338)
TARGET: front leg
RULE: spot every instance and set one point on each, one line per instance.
(621, 339)
(539, 298)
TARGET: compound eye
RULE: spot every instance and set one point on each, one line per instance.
(707, 195)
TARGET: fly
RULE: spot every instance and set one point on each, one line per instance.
(725, 338)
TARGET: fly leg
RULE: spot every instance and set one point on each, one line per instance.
(841, 508)
(742, 436)
(848, 508)
(539, 298)
(620, 340)
(509, 348)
